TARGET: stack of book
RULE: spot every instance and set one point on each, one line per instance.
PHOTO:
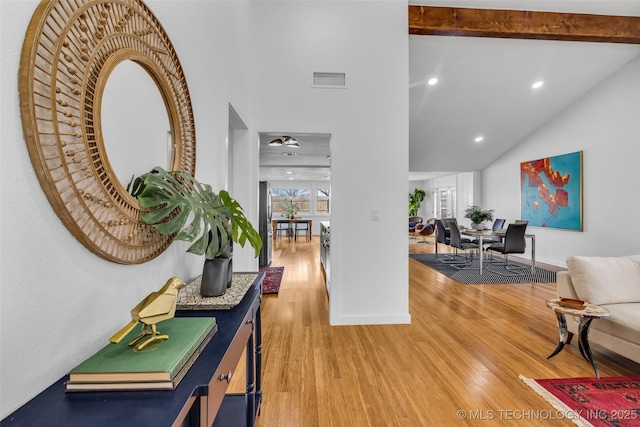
(161, 366)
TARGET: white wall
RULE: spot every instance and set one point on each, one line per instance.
(368, 41)
(604, 125)
(59, 302)
(468, 193)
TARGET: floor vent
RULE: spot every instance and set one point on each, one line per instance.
(329, 80)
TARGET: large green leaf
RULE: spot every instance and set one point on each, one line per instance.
(242, 230)
(176, 203)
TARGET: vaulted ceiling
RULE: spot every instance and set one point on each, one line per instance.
(486, 61)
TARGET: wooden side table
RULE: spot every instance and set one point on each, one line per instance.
(586, 315)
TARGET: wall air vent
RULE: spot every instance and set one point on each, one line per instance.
(329, 80)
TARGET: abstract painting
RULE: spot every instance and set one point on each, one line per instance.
(551, 191)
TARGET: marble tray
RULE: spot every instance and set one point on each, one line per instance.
(189, 297)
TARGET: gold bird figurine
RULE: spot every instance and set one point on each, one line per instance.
(156, 307)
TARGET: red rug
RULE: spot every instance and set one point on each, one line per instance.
(604, 402)
(272, 279)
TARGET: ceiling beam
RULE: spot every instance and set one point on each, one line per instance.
(518, 24)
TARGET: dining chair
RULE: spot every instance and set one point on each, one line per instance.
(446, 221)
(302, 226)
(514, 243)
(498, 224)
(442, 237)
(464, 245)
(282, 228)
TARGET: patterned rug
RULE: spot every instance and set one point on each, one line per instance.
(472, 273)
(272, 279)
(592, 402)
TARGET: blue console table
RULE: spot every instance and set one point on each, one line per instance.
(199, 400)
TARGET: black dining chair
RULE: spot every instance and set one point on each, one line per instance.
(443, 237)
(463, 244)
(445, 221)
(302, 226)
(498, 224)
(282, 228)
(514, 243)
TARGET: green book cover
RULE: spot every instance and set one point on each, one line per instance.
(120, 363)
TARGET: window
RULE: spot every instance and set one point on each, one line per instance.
(322, 200)
(287, 201)
(300, 201)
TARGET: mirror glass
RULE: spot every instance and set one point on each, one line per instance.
(135, 122)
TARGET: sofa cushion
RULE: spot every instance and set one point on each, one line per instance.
(606, 280)
(623, 323)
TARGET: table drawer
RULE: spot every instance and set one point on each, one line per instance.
(220, 380)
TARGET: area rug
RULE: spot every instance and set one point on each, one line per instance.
(272, 279)
(472, 274)
(592, 402)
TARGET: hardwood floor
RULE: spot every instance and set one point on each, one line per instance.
(463, 351)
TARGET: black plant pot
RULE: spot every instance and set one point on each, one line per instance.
(217, 273)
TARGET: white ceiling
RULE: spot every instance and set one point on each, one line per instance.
(484, 89)
(310, 162)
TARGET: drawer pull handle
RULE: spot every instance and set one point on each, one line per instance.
(227, 377)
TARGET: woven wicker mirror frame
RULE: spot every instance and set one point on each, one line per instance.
(70, 48)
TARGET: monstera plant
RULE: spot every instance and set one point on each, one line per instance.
(174, 202)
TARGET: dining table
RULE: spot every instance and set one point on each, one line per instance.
(481, 235)
(292, 225)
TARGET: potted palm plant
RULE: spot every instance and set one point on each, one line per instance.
(176, 203)
(415, 200)
(289, 208)
(478, 216)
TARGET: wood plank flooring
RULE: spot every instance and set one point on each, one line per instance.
(461, 354)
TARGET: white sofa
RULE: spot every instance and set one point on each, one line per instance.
(611, 282)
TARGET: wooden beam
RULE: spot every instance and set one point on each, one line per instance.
(518, 24)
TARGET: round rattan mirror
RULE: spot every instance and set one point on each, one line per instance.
(70, 49)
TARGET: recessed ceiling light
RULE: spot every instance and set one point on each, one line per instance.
(289, 172)
(432, 81)
(479, 139)
(536, 85)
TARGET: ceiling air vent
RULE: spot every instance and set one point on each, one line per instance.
(329, 80)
